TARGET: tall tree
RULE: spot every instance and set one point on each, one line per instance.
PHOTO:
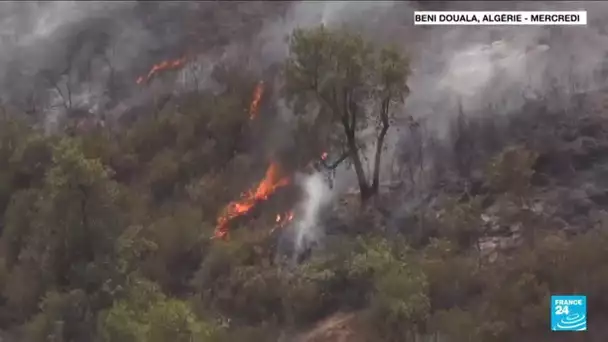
(70, 224)
(354, 84)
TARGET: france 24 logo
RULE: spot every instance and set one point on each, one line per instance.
(569, 313)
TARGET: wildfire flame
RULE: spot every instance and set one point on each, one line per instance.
(282, 220)
(255, 102)
(324, 156)
(269, 184)
(162, 66)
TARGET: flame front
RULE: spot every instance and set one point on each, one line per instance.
(324, 156)
(255, 102)
(162, 66)
(271, 182)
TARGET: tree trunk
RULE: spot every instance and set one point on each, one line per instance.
(378, 157)
(348, 118)
(365, 190)
(380, 144)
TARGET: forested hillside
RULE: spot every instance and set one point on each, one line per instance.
(302, 201)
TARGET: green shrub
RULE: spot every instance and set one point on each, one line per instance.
(461, 223)
(455, 324)
(146, 315)
(512, 170)
(454, 278)
(398, 298)
(57, 309)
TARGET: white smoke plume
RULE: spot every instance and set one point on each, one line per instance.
(306, 227)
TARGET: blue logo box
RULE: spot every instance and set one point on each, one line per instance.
(569, 313)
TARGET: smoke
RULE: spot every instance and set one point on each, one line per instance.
(483, 70)
(87, 55)
(38, 40)
(110, 44)
(475, 66)
(272, 38)
(501, 67)
(306, 228)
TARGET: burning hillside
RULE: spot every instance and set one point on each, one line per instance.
(140, 115)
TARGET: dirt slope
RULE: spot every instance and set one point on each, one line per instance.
(340, 327)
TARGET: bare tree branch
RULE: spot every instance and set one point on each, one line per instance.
(335, 164)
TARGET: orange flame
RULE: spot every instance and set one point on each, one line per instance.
(265, 188)
(324, 156)
(282, 220)
(255, 102)
(162, 66)
(289, 217)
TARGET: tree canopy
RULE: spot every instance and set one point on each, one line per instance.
(354, 84)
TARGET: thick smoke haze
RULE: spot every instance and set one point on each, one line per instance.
(502, 66)
(88, 54)
(38, 39)
(448, 62)
(481, 67)
(483, 70)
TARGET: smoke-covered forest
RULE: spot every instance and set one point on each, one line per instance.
(298, 171)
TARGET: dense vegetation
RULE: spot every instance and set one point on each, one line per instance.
(105, 229)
